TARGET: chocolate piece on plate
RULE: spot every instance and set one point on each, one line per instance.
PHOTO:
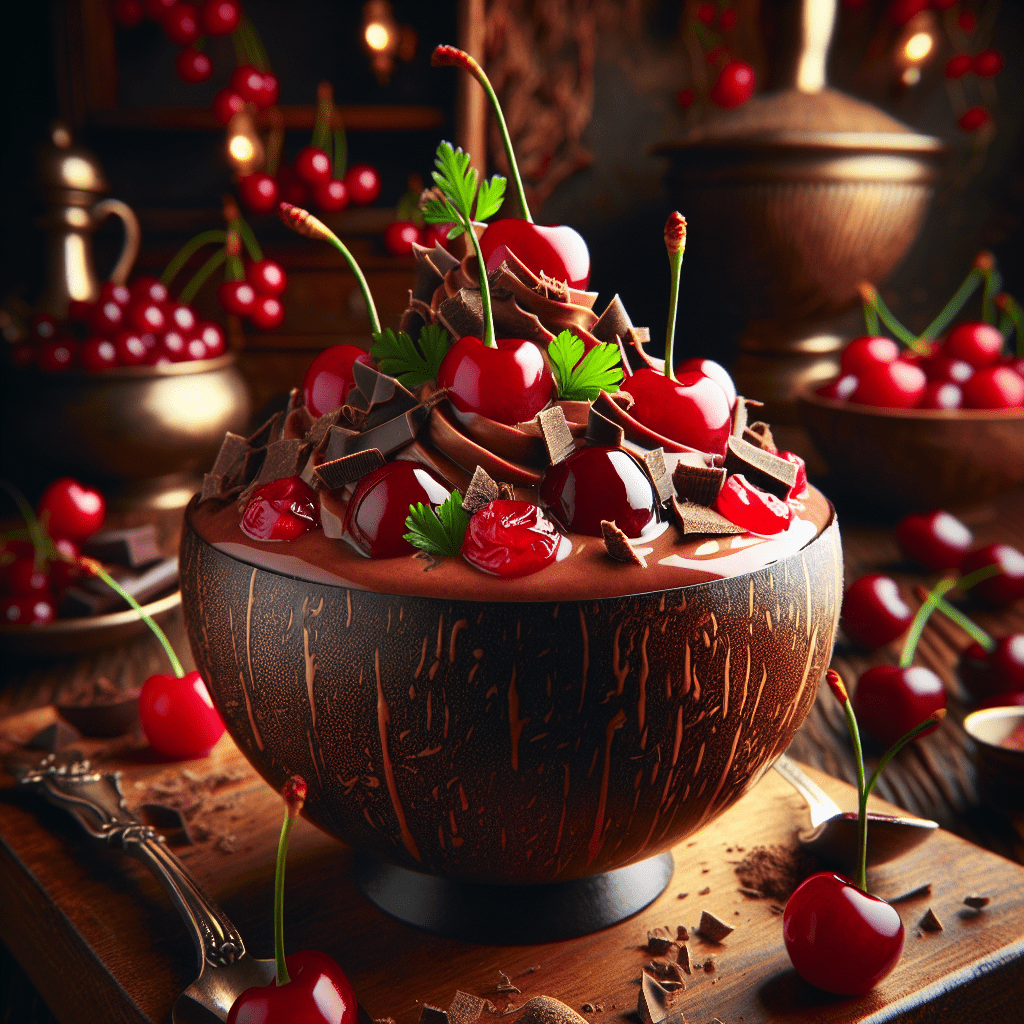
(334, 443)
(913, 894)
(683, 957)
(168, 821)
(93, 597)
(231, 457)
(657, 943)
(482, 490)
(284, 459)
(133, 546)
(614, 321)
(618, 546)
(653, 461)
(348, 468)
(466, 1008)
(654, 1001)
(393, 434)
(761, 468)
(318, 431)
(555, 431)
(930, 923)
(694, 520)
(976, 902)
(54, 737)
(602, 432)
(712, 928)
(432, 1015)
(760, 434)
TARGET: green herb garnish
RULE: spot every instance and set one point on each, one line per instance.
(438, 530)
(583, 379)
(413, 364)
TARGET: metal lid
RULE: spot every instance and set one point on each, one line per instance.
(62, 165)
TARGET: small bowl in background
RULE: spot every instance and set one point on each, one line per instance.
(1000, 769)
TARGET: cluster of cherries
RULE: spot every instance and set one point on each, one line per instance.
(891, 699)
(136, 325)
(967, 370)
(309, 181)
(257, 296)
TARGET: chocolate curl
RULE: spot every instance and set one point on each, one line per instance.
(837, 686)
(294, 793)
(303, 222)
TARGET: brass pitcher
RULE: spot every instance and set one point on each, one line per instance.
(72, 180)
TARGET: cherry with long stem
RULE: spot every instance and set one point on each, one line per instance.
(871, 299)
(675, 245)
(294, 793)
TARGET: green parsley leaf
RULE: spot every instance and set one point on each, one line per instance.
(490, 197)
(396, 354)
(440, 530)
(600, 370)
(457, 182)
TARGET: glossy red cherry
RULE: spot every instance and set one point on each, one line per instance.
(131, 349)
(692, 410)
(706, 13)
(399, 237)
(379, 506)
(193, 66)
(157, 9)
(799, 488)
(329, 378)
(258, 192)
(896, 385)
(271, 89)
(748, 506)
(331, 195)
(727, 19)
(181, 24)
(129, 13)
(226, 104)
(281, 510)
(106, 318)
(313, 165)
(267, 277)
(976, 343)
(195, 349)
(212, 338)
(839, 938)
(735, 85)
(1008, 585)
(36, 610)
(318, 993)
(510, 539)
(24, 578)
(716, 371)
(57, 356)
(237, 297)
(936, 540)
(889, 701)
(43, 327)
(247, 82)
(291, 188)
(97, 355)
(510, 383)
(967, 21)
(220, 17)
(146, 316)
(973, 118)
(175, 345)
(70, 510)
(150, 289)
(986, 675)
(180, 317)
(995, 387)
(435, 234)
(599, 483)
(63, 573)
(958, 65)
(874, 612)
(553, 249)
(363, 184)
(840, 389)
(267, 313)
(941, 395)
(943, 366)
(178, 716)
(987, 64)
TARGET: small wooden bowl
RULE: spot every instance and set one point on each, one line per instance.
(915, 460)
(522, 743)
(1000, 769)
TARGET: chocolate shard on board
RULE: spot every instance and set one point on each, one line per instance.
(695, 520)
(432, 1015)
(634, 354)
(334, 442)
(657, 943)
(976, 902)
(231, 456)
(465, 1008)
(613, 322)
(618, 546)
(760, 434)
(134, 546)
(653, 461)
(482, 490)
(654, 1001)
(348, 468)
(698, 484)
(761, 468)
(169, 821)
(930, 923)
(602, 432)
(555, 431)
(712, 928)
(683, 957)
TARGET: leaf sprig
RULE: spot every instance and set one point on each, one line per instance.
(413, 364)
(438, 530)
(580, 377)
(457, 183)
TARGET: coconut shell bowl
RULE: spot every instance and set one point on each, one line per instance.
(506, 771)
(907, 460)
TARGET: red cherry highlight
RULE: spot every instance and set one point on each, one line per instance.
(178, 716)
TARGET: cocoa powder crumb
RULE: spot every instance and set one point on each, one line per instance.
(775, 870)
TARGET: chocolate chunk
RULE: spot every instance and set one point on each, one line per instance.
(658, 944)
(268, 433)
(614, 321)
(134, 546)
(285, 458)
(976, 902)
(320, 426)
(694, 520)
(482, 490)
(213, 487)
(392, 435)
(930, 923)
(297, 423)
(699, 484)
(634, 354)
(54, 737)
(665, 971)
(506, 491)
(432, 1015)
(504, 985)
(761, 468)
(617, 545)
(348, 468)
(683, 957)
(93, 597)
(295, 401)
(334, 443)
(751, 893)
(546, 1010)
(252, 462)
(760, 434)
(682, 935)
(385, 397)
(105, 717)
(654, 1000)
(169, 821)
(602, 432)
(231, 456)
(466, 1008)
(713, 929)
(653, 460)
(555, 431)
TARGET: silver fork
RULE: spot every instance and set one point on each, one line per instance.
(96, 802)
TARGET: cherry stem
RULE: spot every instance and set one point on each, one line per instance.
(839, 690)
(993, 282)
(969, 626)
(42, 547)
(888, 318)
(275, 141)
(248, 238)
(322, 119)
(199, 278)
(303, 222)
(928, 723)
(253, 44)
(188, 250)
(935, 595)
(485, 285)
(339, 164)
(871, 319)
(463, 60)
(1012, 313)
(294, 794)
(955, 304)
(675, 244)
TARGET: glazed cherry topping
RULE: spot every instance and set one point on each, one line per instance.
(889, 701)
(693, 410)
(24, 578)
(867, 351)
(936, 540)
(874, 612)
(735, 85)
(1008, 585)
(329, 378)
(595, 484)
(281, 510)
(258, 192)
(896, 385)
(748, 506)
(554, 249)
(958, 65)
(363, 184)
(399, 237)
(976, 343)
(67, 509)
(318, 993)
(716, 371)
(840, 939)
(147, 288)
(331, 196)
(379, 506)
(178, 716)
(509, 383)
(510, 539)
(995, 387)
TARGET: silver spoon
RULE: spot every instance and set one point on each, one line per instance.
(96, 802)
(832, 837)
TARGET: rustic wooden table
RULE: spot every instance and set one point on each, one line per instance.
(91, 934)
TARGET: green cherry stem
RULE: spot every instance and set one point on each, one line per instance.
(675, 244)
(838, 688)
(42, 547)
(969, 626)
(188, 250)
(450, 56)
(304, 223)
(245, 232)
(955, 304)
(869, 296)
(485, 286)
(322, 118)
(199, 278)
(294, 793)
(932, 720)
(1012, 313)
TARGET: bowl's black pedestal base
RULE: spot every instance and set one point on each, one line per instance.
(512, 914)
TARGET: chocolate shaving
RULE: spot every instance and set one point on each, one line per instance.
(739, 416)
(760, 434)
(134, 546)
(683, 958)
(613, 322)
(602, 432)
(213, 487)
(699, 484)
(712, 928)
(54, 737)
(775, 870)
(432, 1015)
(658, 944)
(348, 468)
(976, 902)
(297, 423)
(761, 468)
(482, 490)
(294, 401)
(231, 456)
(394, 434)
(930, 923)
(695, 520)
(385, 397)
(753, 894)
(251, 465)
(654, 1000)
(506, 986)
(665, 971)
(269, 432)
(682, 935)
(634, 355)
(169, 821)
(284, 459)
(914, 894)
(617, 545)
(555, 431)
(334, 442)
(653, 460)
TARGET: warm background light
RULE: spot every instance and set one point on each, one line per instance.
(918, 46)
(241, 149)
(377, 36)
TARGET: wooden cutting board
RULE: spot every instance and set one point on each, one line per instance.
(100, 941)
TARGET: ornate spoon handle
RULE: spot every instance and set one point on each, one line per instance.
(96, 802)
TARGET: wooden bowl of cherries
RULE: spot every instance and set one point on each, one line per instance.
(925, 421)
